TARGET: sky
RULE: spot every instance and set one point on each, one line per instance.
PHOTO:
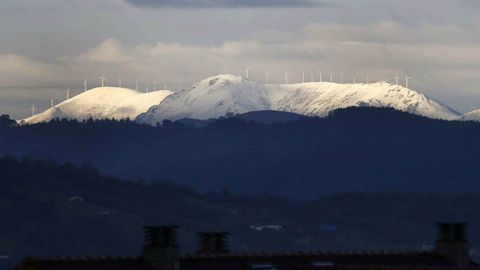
(49, 46)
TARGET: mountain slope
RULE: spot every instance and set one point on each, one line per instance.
(229, 94)
(211, 98)
(318, 99)
(471, 116)
(100, 103)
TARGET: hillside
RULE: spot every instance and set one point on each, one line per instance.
(102, 103)
(228, 94)
(352, 150)
(52, 209)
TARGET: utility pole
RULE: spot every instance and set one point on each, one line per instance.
(51, 103)
(68, 93)
(320, 76)
(119, 82)
(331, 77)
(396, 79)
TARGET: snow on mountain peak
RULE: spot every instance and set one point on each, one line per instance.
(229, 94)
(318, 99)
(471, 116)
(101, 103)
(213, 97)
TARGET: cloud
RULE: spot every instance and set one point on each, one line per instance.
(224, 3)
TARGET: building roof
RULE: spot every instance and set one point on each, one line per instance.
(277, 260)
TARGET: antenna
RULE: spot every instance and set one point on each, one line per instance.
(320, 74)
(102, 78)
(85, 85)
(51, 103)
(136, 84)
(303, 76)
(406, 81)
(266, 77)
(33, 109)
(396, 79)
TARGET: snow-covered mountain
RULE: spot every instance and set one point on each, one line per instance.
(101, 103)
(471, 116)
(229, 94)
(211, 98)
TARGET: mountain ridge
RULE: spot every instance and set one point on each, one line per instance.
(228, 94)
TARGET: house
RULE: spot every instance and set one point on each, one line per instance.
(161, 252)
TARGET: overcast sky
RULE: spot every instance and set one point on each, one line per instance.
(50, 45)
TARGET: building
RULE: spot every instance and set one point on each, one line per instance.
(161, 252)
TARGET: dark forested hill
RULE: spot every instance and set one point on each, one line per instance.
(50, 209)
(354, 150)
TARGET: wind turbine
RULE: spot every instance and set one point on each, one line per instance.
(354, 79)
(102, 78)
(396, 79)
(247, 71)
(266, 77)
(406, 80)
(68, 93)
(286, 77)
(320, 74)
(33, 109)
(85, 85)
(368, 79)
(331, 77)
(119, 82)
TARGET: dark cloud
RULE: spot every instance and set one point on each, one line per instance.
(224, 3)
